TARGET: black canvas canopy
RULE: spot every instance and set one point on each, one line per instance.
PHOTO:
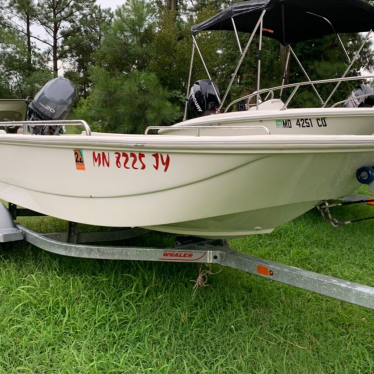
(291, 21)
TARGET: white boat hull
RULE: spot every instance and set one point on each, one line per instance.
(211, 187)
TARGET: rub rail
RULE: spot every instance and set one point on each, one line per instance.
(198, 128)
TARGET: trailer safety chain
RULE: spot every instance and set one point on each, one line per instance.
(202, 279)
(324, 208)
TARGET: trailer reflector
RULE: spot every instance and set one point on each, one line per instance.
(263, 270)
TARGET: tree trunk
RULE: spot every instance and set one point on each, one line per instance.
(55, 45)
(54, 55)
(172, 5)
(29, 47)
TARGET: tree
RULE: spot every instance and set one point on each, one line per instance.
(17, 80)
(127, 103)
(80, 41)
(20, 15)
(127, 45)
(56, 17)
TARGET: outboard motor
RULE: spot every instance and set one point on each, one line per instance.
(360, 102)
(203, 99)
(52, 103)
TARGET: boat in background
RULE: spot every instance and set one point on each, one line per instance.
(264, 107)
(303, 121)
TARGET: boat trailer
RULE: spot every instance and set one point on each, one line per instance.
(74, 244)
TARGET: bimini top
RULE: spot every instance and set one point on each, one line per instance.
(302, 19)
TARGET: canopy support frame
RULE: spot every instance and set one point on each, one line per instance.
(333, 28)
(242, 58)
(205, 67)
(259, 63)
(189, 81)
(305, 73)
(285, 70)
(260, 23)
(236, 35)
(354, 59)
(293, 85)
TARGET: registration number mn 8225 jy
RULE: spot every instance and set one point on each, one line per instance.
(301, 122)
(123, 160)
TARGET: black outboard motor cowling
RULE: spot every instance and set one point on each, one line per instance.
(359, 102)
(52, 103)
(203, 99)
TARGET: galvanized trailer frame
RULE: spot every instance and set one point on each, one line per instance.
(72, 243)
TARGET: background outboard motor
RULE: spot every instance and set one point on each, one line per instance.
(203, 99)
(366, 101)
(52, 103)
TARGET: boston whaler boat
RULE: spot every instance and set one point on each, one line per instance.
(217, 176)
(265, 170)
(271, 18)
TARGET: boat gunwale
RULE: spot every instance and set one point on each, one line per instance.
(202, 144)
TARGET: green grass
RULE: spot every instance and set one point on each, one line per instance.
(65, 315)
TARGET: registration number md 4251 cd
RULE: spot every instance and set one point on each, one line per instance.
(301, 122)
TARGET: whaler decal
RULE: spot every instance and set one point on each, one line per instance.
(131, 160)
(185, 256)
(79, 160)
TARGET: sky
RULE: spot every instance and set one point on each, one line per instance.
(109, 3)
(113, 4)
(104, 4)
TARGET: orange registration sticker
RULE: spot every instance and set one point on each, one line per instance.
(79, 161)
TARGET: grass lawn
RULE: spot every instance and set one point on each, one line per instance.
(66, 315)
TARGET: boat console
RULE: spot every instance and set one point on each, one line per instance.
(273, 104)
(12, 111)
